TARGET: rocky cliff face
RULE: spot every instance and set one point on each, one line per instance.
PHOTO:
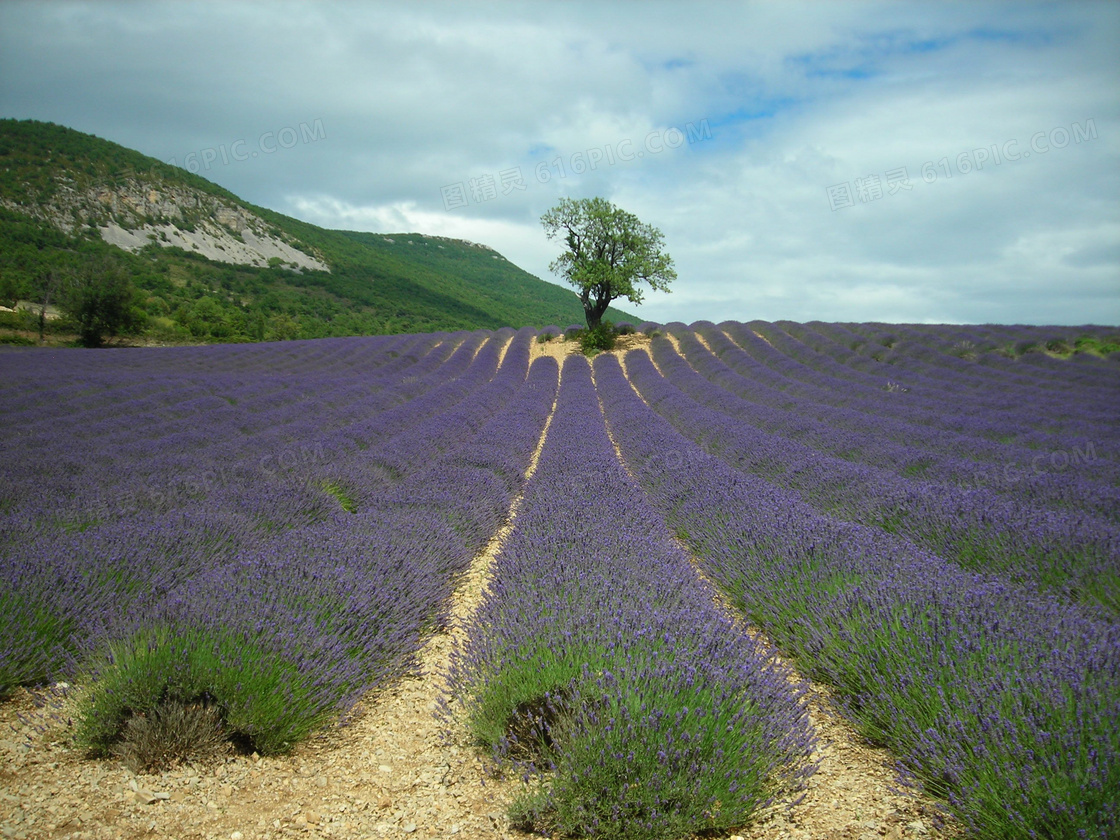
(132, 213)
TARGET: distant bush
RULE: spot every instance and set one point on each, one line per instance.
(964, 349)
(1092, 344)
(545, 337)
(1059, 346)
(624, 328)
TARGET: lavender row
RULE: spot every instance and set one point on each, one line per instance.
(187, 502)
(1081, 393)
(922, 407)
(72, 472)
(905, 448)
(974, 349)
(1069, 553)
(1001, 699)
(59, 391)
(160, 400)
(933, 408)
(1072, 396)
(431, 426)
(108, 501)
(599, 658)
(426, 437)
(955, 355)
(287, 631)
(990, 409)
(90, 385)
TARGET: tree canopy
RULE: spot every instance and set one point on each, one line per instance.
(101, 301)
(610, 253)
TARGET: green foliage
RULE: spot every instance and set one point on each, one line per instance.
(610, 253)
(345, 500)
(1097, 346)
(1062, 347)
(101, 302)
(583, 712)
(1059, 346)
(472, 282)
(596, 339)
(377, 284)
(261, 697)
(11, 289)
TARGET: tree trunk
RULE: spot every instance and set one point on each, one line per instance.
(48, 291)
(593, 320)
(594, 310)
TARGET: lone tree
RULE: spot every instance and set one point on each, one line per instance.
(609, 253)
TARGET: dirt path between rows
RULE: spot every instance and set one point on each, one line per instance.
(389, 772)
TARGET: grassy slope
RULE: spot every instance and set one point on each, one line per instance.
(375, 285)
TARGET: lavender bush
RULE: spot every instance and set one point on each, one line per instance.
(1003, 700)
(279, 623)
(869, 426)
(1070, 553)
(264, 532)
(600, 662)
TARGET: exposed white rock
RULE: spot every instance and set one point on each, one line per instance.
(213, 242)
(133, 213)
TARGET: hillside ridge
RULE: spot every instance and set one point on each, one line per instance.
(210, 266)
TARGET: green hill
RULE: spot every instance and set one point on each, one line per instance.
(208, 266)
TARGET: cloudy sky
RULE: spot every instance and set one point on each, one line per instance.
(837, 161)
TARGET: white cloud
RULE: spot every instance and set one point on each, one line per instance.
(413, 98)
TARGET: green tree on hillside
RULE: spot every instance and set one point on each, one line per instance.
(10, 289)
(100, 301)
(610, 252)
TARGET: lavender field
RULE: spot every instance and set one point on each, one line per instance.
(925, 518)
